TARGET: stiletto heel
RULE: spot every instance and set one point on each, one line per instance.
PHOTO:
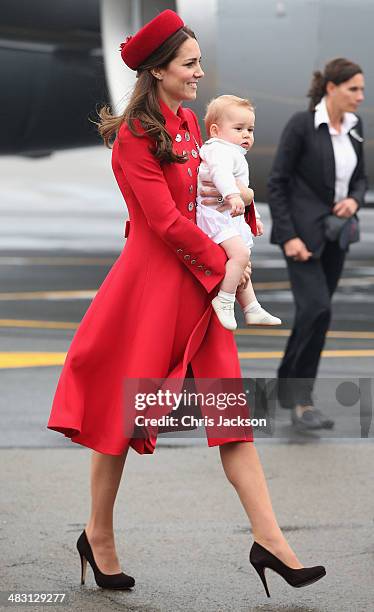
(84, 568)
(261, 572)
(260, 558)
(105, 581)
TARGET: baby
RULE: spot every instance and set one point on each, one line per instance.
(229, 122)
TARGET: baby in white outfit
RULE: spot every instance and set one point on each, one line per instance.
(229, 122)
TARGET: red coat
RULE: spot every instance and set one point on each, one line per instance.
(152, 315)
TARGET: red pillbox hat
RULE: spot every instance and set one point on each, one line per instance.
(137, 48)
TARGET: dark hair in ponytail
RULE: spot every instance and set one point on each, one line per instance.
(338, 71)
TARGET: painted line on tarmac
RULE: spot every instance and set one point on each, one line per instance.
(90, 293)
(56, 261)
(70, 260)
(344, 282)
(31, 360)
(363, 335)
(279, 354)
(49, 295)
(36, 324)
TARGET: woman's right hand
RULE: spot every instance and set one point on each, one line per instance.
(296, 249)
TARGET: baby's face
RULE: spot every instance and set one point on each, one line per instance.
(237, 126)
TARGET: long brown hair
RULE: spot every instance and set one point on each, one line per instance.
(337, 71)
(143, 104)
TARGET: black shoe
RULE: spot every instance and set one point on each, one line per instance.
(261, 558)
(105, 581)
(325, 422)
(310, 419)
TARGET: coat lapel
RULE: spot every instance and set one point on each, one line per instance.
(357, 146)
(355, 142)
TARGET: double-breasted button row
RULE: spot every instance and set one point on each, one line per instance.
(187, 137)
(193, 153)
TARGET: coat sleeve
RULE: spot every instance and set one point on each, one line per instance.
(358, 187)
(284, 166)
(221, 168)
(144, 175)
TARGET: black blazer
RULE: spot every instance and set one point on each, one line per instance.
(302, 181)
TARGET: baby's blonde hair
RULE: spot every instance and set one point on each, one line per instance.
(217, 106)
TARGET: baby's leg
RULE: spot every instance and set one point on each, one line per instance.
(237, 254)
(223, 304)
(253, 312)
(246, 296)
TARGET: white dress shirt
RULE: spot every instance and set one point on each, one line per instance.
(344, 153)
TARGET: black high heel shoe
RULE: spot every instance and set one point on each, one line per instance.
(105, 581)
(260, 558)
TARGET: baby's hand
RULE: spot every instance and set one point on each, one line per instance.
(260, 227)
(237, 205)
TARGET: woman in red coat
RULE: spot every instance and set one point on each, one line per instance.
(152, 316)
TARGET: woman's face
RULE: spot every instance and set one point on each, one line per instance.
(347, 96)
(178, 81)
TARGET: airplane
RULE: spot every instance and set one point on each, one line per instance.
(60, 61)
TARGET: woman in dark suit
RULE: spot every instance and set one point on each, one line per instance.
(318, 170)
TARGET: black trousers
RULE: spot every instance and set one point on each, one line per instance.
(313, 284)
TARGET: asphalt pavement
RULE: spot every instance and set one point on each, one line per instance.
(180, 528)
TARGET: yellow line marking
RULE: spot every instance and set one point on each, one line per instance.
(364, 335)
(271, 286)
(56, 261)
(30, 360)
(344, 282)
(38, 324)
(88, 294)
(279, 354)
(365, 280)
(49, 295)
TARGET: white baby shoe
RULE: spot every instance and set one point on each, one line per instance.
(261, 317)
(225, 312)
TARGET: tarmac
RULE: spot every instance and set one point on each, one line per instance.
(180, 528)
(182, 533)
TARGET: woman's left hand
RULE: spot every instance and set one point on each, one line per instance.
(212, 197)
(245, 276)
(345, 208)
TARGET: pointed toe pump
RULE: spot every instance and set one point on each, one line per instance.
(105, 581)
(261, 558)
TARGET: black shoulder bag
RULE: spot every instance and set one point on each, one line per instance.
(345, 231)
